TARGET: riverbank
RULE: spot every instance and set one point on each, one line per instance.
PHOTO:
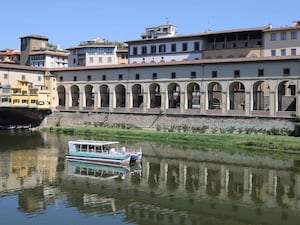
(275, 146)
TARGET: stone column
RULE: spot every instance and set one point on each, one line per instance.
(203, 102)
(81, 100)
(164, 101)
(128, 99)
(112, 99)
(68, 96)
(183, 96)
(146, 100)
(248, 103)
(273, 103)
(224, 105)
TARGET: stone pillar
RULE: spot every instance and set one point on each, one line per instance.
(248, 103)
(183, 100)
(224, 105)
(273, 103)
(112, 99)
(146, 100)
(81, 96)
(164, 101)
(96, 94)
(128, 99)
(68, 96)
(203, 102)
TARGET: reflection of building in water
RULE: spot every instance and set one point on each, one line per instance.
(27, 171)
(171, 191)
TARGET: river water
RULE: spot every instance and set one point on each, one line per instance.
(172, 185)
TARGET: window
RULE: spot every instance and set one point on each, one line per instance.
(286, 71)
(144, 49)
(153, 49)
(137, 76)
(273, 52)
(134, 51)
(5, 76)
(89, 78)
(283, 35)
(196, 46)
(283, 52)
(74, 78)
(100, 59)
(91, 60)
(173, 75)
(23, 77)
(109, 59)
(184, 47)
(103, 77)
(293, 51)
(154, 76)
(39, 78)
(193, 74)
(120, 76)
(273, 37)
(61, 79)
(260, 72)
(293, 35)
(236, 73)
(214, 73)
(162, 48)
(173, 47)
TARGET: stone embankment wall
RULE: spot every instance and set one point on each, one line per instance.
(172, 123)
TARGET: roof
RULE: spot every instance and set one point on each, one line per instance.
(93, 142)
(207, 33)
(92, 46)
(36, 36)
(47, 52)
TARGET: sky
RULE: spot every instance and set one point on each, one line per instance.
(68, 22)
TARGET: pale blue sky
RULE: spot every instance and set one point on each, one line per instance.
(68, 22)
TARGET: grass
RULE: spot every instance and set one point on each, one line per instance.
(275, 146)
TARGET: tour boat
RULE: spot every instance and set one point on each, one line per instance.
(102, 151)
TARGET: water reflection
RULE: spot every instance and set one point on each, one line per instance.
(171, 186)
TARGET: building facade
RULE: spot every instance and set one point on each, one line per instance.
(226, 73)
(10, 56)
(97, 52)
(162, 44)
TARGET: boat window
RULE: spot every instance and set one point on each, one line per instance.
(84, 148)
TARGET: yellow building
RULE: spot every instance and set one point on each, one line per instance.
(25, 95)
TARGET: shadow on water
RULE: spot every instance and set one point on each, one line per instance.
(15, 140)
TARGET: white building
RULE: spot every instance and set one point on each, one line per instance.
(94, 53)
(49, 59)
(163, 44)
(283, 41)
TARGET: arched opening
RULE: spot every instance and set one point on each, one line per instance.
(120, 96)
(75, 95)
(174, 95)
(286, 96)
(193, 96)
(155, 96)
(261, 96)
(89, 96)
(137, 96)
(214, 95)
(61, 92)
(237, 96)
(104, 96)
